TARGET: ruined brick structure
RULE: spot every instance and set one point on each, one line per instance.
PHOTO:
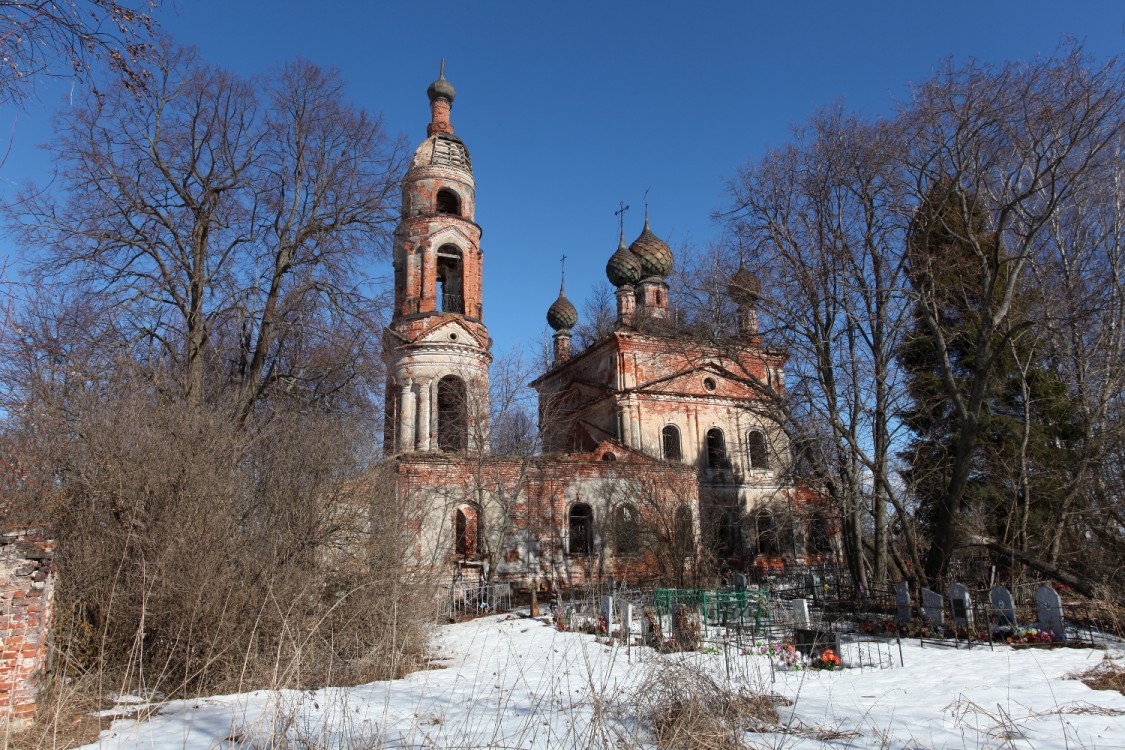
(26, 598)
(656, 448)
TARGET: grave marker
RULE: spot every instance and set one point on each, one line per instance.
(932, 607)
(1002, 607)
(902, 602)
(1049, 606)
(801, 612)
(626, 610)
(961, 604)
(605, 612)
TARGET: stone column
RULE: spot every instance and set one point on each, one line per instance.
(406, 417)
(422, 442)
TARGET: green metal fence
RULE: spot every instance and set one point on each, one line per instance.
(748, 608)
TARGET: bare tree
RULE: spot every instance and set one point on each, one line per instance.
(819, 223)
(65, 37)
(1014, 145)
(225, 231)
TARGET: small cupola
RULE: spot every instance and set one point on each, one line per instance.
(561, 317)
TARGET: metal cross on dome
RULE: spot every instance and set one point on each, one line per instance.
(620, 214)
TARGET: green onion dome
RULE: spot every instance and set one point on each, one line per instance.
(654, 254)
(623, 266)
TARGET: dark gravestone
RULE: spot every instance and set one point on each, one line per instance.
(902, 602)
(1002, 607)
(1049, 607)
(812, 642)
(932, 607)
(961, 605)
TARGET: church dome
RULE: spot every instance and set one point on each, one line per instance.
(562, 313)
(654, 254)
(745, 288)
(623, 266)
(441, 87)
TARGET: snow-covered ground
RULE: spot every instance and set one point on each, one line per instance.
(510, 682)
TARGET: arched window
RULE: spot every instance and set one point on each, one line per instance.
(448, 202)
(768, 541)
(452, 411)
(581, 529)
(450, 278)
(684, 529)
(671, 438)
(730, 534)
(626, 529)
(758, 449)
(820, 535)
(465, 532)
(716, 448)
(607, 456)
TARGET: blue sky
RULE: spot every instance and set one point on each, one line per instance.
(570, 107)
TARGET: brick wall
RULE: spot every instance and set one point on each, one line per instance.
(26, 593)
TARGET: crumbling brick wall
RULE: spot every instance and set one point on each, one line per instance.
(26, 595)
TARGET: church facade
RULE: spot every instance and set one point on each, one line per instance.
(660, 456)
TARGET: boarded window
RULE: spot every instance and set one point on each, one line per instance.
(758, 449)
(716, 449)
(671, 438)
(452, 408)
(581, 529)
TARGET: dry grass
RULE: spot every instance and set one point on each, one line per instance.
(689, 710)
(1106, 675)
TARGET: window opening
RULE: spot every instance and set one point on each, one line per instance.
(609, 457)
(466, 532)
(581, 529)
(452, 408)
(671, 438)
(448, 202)
(450, 280)
(626, 529)
(768, 542)
(758, 449)
(716, 448)
(820, 536)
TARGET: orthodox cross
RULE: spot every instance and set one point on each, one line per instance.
(620, 214)
(562, 283)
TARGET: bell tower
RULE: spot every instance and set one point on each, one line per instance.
(437, 348)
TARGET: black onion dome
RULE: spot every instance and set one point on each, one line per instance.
(562, 313)
(623, 266)
(745, 288)
(654, 254)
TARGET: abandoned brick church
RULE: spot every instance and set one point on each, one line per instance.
(658, 454)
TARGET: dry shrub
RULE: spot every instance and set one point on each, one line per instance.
(1106, 675)
(200, 554)
(689, 710)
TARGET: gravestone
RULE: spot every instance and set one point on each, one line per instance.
(932, 607)
(801, 612)
(740, 581)
(902, 602)
(626, 610)
(1049, 606)
(1002, 607)
(812, 642)
(961, 604)
(605, 613)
